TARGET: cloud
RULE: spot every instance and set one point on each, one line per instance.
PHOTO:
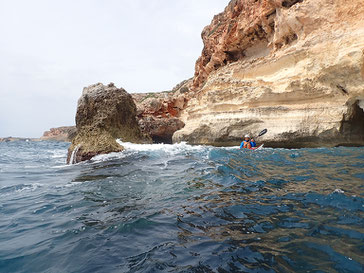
(50, 50)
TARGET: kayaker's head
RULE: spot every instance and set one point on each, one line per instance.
(247, 137)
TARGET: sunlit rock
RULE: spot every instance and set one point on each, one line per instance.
(294, 67)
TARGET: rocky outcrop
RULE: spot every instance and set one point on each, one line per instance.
(158, 113)
(104, 114)
(293, 67)
(65, 133)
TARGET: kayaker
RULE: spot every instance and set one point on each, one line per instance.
(246, 143)
(252, 143)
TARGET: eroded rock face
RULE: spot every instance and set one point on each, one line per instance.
(65, 133)
(161, 130)
(158, 113)
(104, 114)
(244, 25)
(293, 67)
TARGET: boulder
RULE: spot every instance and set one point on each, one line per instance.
(104, 114)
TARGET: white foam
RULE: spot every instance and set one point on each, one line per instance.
(61, 166)
(31, 167)
(69, 185)
(107, 157)
(338, 191)
(74, 154)
(168, 148)
(132, 148)
(31, 187)
(59, 154)
(232, 148)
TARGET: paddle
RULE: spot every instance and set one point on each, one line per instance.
(262, 132)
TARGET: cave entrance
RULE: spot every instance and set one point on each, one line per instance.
(163, 140)
(352, 128)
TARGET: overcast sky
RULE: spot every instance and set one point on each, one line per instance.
(50, 50)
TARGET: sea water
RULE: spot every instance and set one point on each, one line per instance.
(181, 208)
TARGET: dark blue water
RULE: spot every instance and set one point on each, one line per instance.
(159, 208)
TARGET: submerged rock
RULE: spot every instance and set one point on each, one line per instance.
(294, 67)
(104, 114)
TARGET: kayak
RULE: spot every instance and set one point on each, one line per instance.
(255, 148)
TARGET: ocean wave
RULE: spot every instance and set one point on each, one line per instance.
(168, 148)
(63, 166)
(69, 185)
(20, 188)
(108, 157)
(182, 208)
(58, 153)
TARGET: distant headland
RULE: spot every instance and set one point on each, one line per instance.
(64, 133)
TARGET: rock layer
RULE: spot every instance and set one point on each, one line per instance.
(104, 114)
(158, 113)
(294, 67)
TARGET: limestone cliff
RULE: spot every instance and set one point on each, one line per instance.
(158, 113)
(104, 114)
(295, 67)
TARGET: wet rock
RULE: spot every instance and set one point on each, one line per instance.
(104, 114)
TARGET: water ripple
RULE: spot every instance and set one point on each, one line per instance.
(181, 208)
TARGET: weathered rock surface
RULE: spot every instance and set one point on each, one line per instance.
(294, 67)
(65, 133)
(159, 129)
(104, 114)
(158, 113)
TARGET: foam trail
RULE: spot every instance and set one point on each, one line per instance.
(168, 148)
(165, 149)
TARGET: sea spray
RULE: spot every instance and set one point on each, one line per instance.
(171, 148)
(74, 154)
